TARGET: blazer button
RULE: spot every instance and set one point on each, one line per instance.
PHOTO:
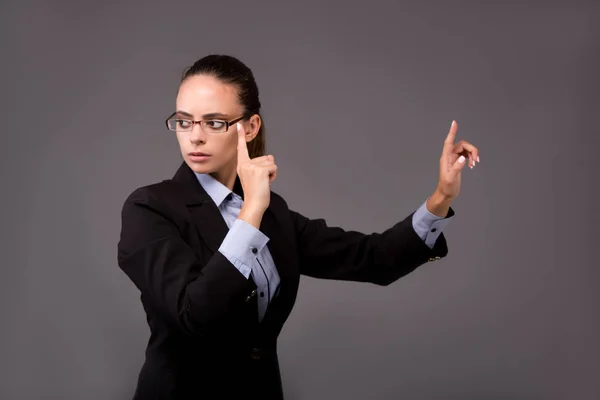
(251, 295)
(255, 353)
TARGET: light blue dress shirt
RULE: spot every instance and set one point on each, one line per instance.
(246, 247)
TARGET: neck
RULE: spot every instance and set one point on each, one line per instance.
(226, 176)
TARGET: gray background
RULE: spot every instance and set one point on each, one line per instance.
(358, 99)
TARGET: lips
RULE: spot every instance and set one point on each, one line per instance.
(199, 157)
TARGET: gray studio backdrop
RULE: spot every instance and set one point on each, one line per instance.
(358, 98)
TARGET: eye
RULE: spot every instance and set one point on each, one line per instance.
(184, 123)
(215, 125)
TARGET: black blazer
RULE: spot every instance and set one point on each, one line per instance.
(205, 339)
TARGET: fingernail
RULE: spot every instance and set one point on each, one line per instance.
(239, 126)
(461, 159)
(478, 159)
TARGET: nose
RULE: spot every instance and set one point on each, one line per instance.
(197, 135)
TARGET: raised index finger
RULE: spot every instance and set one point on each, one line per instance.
(449, 142)
(242, 149)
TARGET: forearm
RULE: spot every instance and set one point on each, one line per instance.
(333, 253)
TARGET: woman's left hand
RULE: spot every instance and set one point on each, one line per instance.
(453, 160)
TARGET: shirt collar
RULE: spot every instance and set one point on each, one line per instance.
(215, 189)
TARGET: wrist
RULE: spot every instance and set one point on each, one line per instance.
(253, 207)
(439, 204)
(251, 214)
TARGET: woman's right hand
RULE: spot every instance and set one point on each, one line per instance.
(255, 175)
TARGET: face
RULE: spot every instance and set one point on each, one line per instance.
(204, 97)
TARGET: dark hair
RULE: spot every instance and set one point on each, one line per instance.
(229, 69)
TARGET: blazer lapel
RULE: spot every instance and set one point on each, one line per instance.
(205, 214)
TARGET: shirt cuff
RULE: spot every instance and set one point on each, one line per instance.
(427, 225)
(241, 244)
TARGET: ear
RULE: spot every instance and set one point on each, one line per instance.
(254, 125)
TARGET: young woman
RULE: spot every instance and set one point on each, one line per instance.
(217, 256)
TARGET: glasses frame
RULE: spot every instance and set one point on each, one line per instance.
(199, 122)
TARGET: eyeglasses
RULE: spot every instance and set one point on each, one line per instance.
(179, 124)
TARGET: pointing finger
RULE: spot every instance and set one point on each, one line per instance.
(449, 142)
(242, 149)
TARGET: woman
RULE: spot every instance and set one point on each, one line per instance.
(217, 256)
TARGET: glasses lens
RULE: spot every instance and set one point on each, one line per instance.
(214, 126)
(176, 124)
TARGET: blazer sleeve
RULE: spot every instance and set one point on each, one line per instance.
(199, 298)
(382, 258)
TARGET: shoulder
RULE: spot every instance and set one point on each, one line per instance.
(276, 197)
(169, 193)
(164, 191)
(278, 203)
(164, 197)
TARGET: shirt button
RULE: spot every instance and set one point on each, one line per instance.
(433, 230)
(229, 197)
(262, 294)
(254, 250)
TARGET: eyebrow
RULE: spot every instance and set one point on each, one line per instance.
(205, 116)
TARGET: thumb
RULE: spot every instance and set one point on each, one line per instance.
(242, 148)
